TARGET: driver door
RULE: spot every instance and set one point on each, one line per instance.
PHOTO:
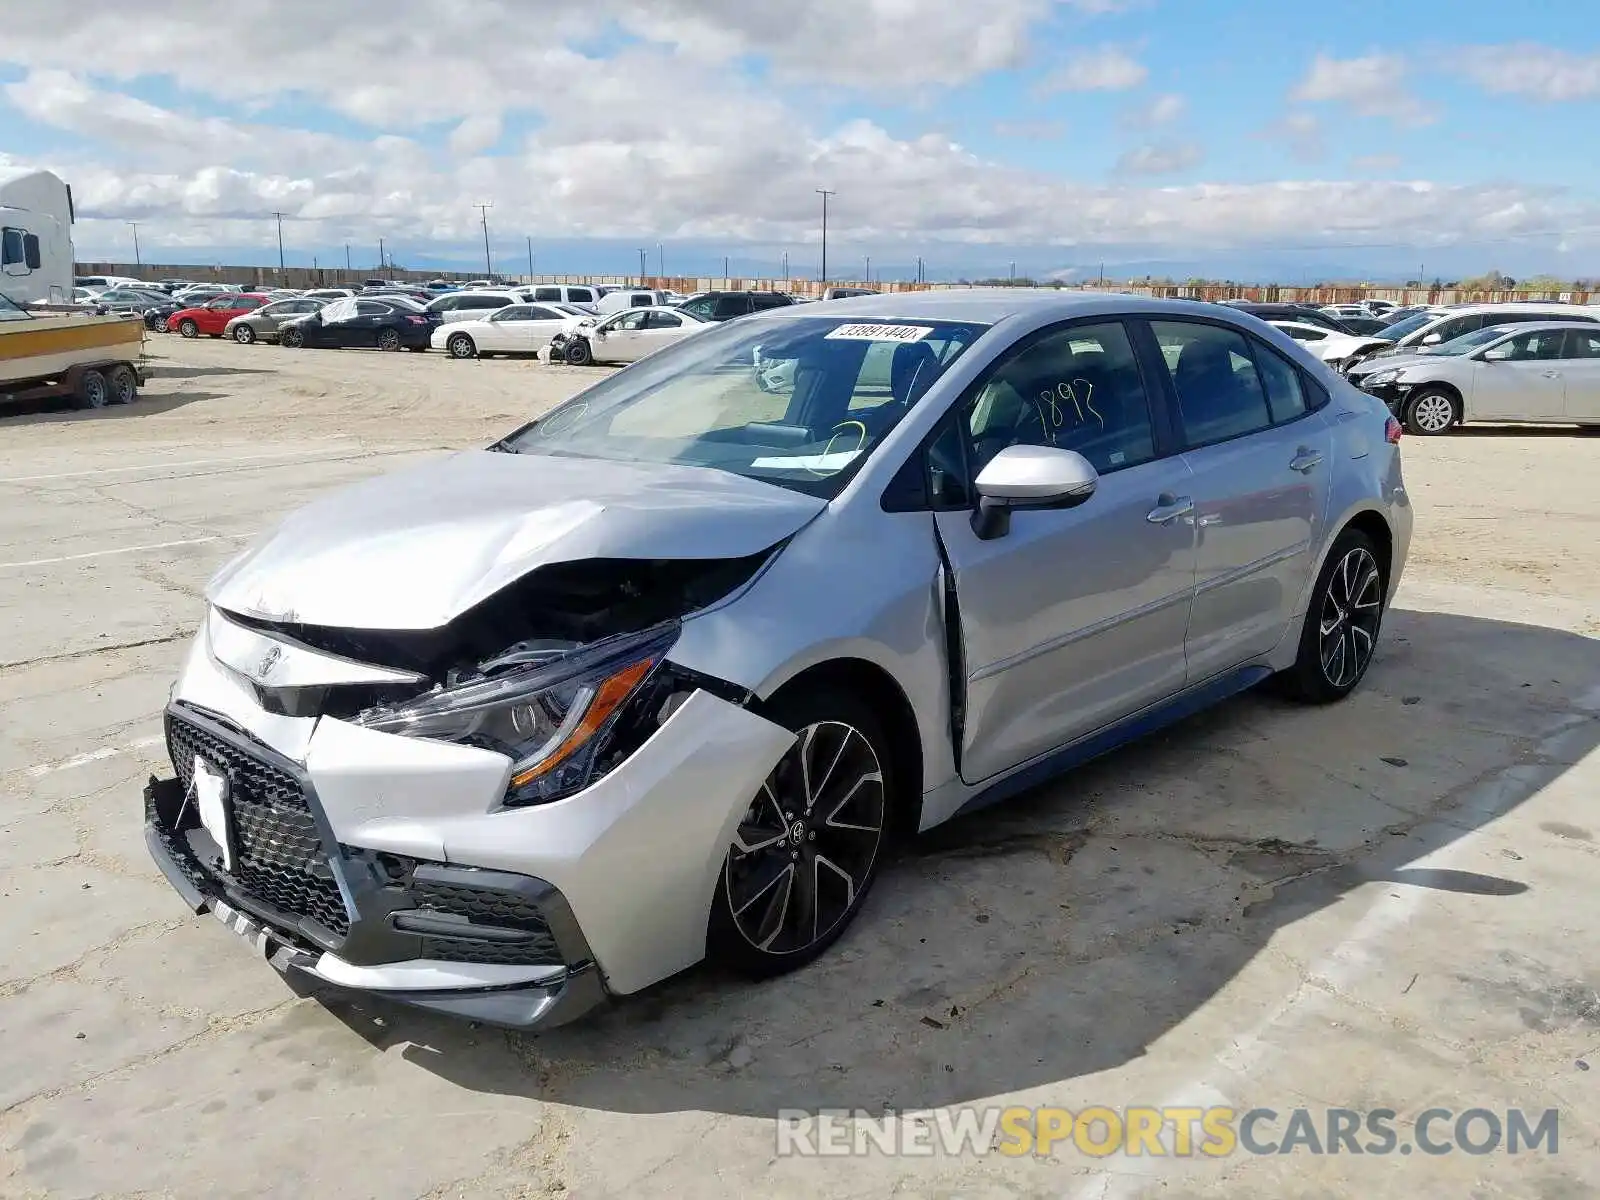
(1074, 618)
(1520, 379)
(623, 337)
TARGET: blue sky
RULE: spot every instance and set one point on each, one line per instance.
(1242, 138)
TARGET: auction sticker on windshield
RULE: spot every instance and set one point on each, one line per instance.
(882, 333)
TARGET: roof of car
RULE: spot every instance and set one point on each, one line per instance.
(1510, 306)
(1537, 326)
(990, 305)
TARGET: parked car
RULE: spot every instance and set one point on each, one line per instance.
(618, 299)
(131, 300)
(564, 293)
(1535, 371)
(264, 324)
(1364, 326)
(329, 293)
(1338, 350)
(725, 306)
(1437, 326)
(514, 329)
(212, 317)
(105, 282)
(472, 304)
(1379, 308)
(844, 293)
(157, 316)
(623, 337)
(359, 322)
(576, 711)
(1306, 313)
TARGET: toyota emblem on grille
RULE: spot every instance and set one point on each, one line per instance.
(268, 661)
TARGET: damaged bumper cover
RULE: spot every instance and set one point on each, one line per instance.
(389, 864)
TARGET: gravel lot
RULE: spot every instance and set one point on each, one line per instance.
(1386, 904)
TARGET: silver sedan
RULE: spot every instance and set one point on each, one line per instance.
(1537, 372)
(660, 674)
(263, 324)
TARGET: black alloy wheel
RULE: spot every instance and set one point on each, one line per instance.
(808, 848)
(388, 339)
(1342, 623)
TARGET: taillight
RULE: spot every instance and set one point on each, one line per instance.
(417, 320)
(1392, 431)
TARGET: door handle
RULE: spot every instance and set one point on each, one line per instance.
(1304, 460)
(1169, 508)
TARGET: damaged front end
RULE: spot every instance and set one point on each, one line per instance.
(564, 672)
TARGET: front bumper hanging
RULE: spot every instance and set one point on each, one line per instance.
(488, 945)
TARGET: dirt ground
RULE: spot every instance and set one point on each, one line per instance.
(1387, 904)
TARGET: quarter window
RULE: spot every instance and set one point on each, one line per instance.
(1078, 388)
(1285, 396)
(1582, 345)
(1220, 395)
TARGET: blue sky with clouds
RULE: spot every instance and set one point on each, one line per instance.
(1243, 138)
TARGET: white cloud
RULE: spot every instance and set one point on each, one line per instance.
(1300, 132)
(455, 104)
(1161, 160)
(1159, 110)
(1106, 69)
(1370, 86)
(1526, 69)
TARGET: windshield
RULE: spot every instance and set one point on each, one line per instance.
(1400, 328)
(795, 401)
(1470, 341)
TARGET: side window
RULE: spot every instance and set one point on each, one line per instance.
(578, 295)
(1540, 344)
(249, 303)
(1454, 329)
(483, 302)
(540, 314)
(547, 293)
(1285, 396)
(699, 308)
(1581, 344)
(1301, 333)
(633, 320)
(1078, 388)
(371, 308)
(13, 248)
(512, 312)
(732, 306)
(1219, 393)
(947, 470)
(664, 320)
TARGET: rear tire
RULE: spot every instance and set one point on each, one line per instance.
(1431, 411)
(810, 844)
(124, 385)
(1343, 620)
(578, 352)
(388, 340)
(243, 334)
(188, 328)
(93, 391)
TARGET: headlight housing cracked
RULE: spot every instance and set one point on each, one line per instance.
(553, 713)
(1382, 377)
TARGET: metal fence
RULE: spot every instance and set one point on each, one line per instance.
(306, 277)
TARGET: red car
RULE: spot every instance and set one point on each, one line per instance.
(212, 317)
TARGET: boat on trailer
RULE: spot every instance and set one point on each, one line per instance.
(92, 360)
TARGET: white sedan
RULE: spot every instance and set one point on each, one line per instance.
(514, 329)
(1338, 350)
(623, 337)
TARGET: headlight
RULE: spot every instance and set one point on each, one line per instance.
(552, 714)
(1381, 377)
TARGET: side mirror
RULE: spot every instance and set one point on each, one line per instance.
(1433, 339)
(1029, 477)
(1496, 354)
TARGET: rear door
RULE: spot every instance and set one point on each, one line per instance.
(661, 328)
(1261, 457)
(1582, 368)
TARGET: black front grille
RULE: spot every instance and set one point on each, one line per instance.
(489, 907)
(280, 857)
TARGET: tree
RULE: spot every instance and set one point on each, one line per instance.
(1543, 283)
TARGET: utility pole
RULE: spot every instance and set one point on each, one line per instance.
(382, 263)
(786, 268)
(643, 266)
(483, 210)
(724, 266)
(824, 193)
(279, 215)
(869, 268)
(347, 258)
(137, 261)
(919, 268)
(661, 261)
(1013, 277)
(530, 260)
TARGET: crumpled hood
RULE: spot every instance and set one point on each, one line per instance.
(1391, 362)
(415, 549)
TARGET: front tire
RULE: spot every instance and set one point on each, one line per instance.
(461, 345)
(1342, 623)
(243, 334)
(1430, 412)
(189, 329)
(809, 846)
(292, 338)
(578, 353)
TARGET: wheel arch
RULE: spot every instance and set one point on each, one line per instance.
(880, 689)
(1440, 385)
